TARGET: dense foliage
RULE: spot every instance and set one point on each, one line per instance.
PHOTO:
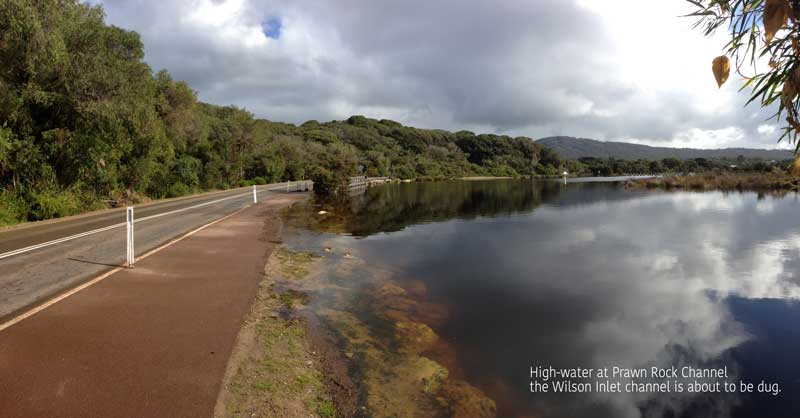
(83, 121)
(618, 167)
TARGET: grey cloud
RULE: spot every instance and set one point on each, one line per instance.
(516, 67)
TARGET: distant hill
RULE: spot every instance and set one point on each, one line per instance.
(571, 147)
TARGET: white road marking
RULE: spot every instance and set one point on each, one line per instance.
(58, 241)
(95, 231)
(53, 301)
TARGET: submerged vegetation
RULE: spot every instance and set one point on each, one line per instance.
(391, 362)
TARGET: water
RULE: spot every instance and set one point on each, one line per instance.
(513, 274)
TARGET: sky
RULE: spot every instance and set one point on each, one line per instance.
(616, 70)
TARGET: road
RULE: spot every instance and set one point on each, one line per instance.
(33, 276)
(152, 341)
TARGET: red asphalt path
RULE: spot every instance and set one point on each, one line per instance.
(152, 341)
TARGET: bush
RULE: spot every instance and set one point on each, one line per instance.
(259, 180)
(325, 183)
(13, 209)
(53, 204)
(178, 189)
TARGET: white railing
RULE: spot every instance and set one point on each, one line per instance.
(363, 181)
(299, 186)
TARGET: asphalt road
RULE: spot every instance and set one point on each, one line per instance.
(31, 277)
(152, 341)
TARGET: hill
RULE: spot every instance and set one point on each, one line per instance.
(84, 120)
(570, 147)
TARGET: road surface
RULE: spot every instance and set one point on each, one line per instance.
(152, 341)
(33, 276)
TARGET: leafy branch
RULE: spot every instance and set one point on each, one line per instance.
(760, 30)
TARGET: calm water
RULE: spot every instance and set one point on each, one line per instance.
(585, 275)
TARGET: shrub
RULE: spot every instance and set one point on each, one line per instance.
(178, 189)
(13, 209)
(53, 204)
(325, 183)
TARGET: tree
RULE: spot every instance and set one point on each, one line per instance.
(759, 30)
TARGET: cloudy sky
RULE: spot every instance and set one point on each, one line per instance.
(629, 70)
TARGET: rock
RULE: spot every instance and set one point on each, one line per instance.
(322, 212)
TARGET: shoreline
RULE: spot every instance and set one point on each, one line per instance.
(303, 354)
(282, 364)
(726, 182)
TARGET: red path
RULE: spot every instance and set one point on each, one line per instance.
(149, 342)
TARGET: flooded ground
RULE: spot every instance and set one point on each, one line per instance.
(441, 296)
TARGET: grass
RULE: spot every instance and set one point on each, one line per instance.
(294, 265)
(323, 408)
(290, 297)
(263, 385)
(279, 376)
(774, 182)
(307, 380)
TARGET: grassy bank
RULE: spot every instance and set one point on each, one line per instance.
(276, 369)
(760, 182)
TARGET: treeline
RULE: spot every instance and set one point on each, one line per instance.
(618, 167)
(85, 123)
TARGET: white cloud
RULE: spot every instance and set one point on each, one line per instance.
(613, 70)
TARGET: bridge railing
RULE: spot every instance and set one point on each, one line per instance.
(363, 181)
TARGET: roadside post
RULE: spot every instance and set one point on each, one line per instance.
(255, 197)
(565, 177)
(129, 224)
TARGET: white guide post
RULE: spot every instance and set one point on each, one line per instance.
(255, 197)
(287, 185)
(129, 224)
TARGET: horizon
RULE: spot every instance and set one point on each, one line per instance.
(502, 69)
